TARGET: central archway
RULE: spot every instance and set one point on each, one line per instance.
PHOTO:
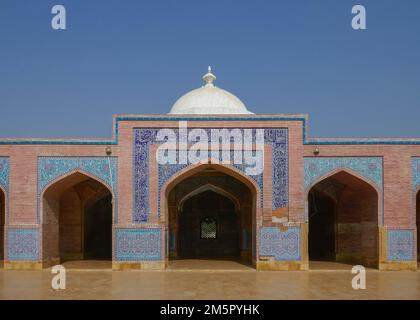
(343, 220)
(77, 220)
(208, 227)
(211, 214)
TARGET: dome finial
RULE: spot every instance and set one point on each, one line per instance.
(209, 77)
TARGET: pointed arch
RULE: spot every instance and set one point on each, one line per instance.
(240, 229)
(354, 173)
(195, 168)
(3, 214)
(66, 175)
(209, 187)
(67, 220)
(346, 229)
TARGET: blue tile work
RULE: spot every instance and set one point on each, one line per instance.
(279, 140)
(138, 244)
(282, 245)
(400, 245)
(415, 169)
(299, 118)
(4, 173)
(368, 167)
(103, 168)
(23, 244)
(4, 182)
(143, 138)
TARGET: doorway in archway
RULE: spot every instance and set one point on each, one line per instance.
(210, 217)
(343, 221)
(77, 222)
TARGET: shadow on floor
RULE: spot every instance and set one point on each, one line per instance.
(88, 265)
(331, 266)
(209, 265)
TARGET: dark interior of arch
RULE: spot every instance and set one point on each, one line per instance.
(216, 212)
(343, 221)
(78, 220)
(418, 224)
(233, 220)
(2, 222)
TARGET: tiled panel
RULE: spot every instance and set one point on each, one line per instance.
(282, 245)
(4, 181)
(143, 138)
(368, 167)
(415, 168)
(138, 244)
(23, 244)
(400, 245)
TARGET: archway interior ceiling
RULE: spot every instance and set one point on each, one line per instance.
(144, 138)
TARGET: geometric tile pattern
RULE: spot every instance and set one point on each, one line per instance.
(138, 244)
(281, 245)
(415, 169)
(4, 182)
(368, 167)
(400, 245)
(23, 244)
(4, 173)
(105, 169)
(143, 138)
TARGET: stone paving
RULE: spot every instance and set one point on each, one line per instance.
(232, 282)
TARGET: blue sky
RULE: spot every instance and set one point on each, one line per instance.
(298, 56)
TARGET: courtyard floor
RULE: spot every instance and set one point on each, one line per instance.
(208, 280)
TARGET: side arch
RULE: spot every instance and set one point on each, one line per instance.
(77, 212)
(62, 178)
(3, 221)
(344, 228)
(355, 174)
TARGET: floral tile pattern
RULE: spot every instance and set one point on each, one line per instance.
(400, 245)
(282, 245)
(143, 138)
(23, 244)
(138, 244)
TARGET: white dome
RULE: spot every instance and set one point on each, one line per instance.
(209, 99)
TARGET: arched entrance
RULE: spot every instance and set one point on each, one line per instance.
(2, 222)
(77, 220)
(211, 215)
(418, 224)
(343, 220)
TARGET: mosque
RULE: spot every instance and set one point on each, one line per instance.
(352, 201)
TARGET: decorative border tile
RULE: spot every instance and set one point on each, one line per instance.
(300, 118)
(23, 244)
(282, 245)
(4, 182)
(368, 167)
(105, 169)
(4, 173)
(145, 137)
(415, 169)
(400, 245)
(138, 244)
